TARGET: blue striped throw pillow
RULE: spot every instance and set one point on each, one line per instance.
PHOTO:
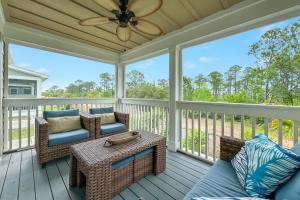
(262, 165)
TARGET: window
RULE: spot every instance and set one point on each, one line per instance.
(258, 66)
(13, 91)
(148, 78)
(57, 75)
(27, 91)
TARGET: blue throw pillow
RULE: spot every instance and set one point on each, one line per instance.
(227, 198)
(101, 110)
(290, 190)
(268, 166)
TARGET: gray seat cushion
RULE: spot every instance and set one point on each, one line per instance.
(112, 128)
(67, 137)
(220, 181)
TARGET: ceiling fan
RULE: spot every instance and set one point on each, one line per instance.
(127, 14)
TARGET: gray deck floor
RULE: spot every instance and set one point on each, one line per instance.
(22, 178)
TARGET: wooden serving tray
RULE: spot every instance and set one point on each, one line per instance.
(122, 138)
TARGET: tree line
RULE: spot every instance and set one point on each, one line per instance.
(274, 78)
(85, 89)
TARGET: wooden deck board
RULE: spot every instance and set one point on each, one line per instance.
(22, 178)
(11, 185)
(26, 188)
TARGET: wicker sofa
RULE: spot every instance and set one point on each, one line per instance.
(221, 180)
(53, 146)
(104, 130)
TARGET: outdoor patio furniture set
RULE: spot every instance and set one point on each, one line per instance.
(105, 170)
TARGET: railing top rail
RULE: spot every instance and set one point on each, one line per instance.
(145, 102)
(255, 110)
(7, 102)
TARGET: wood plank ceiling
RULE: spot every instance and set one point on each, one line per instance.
(61, 17)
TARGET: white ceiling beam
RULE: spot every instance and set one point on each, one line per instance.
(31, 37)
(238, 18)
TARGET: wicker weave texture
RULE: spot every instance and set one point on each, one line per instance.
(46, 153)
(94, 161)
(229, 147)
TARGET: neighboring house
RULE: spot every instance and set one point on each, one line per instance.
(24, 83)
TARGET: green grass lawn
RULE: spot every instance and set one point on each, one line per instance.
(24, 132)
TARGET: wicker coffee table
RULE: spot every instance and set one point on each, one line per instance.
(91, 164)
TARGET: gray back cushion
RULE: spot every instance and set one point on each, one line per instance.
(60, 113)
(101, 110)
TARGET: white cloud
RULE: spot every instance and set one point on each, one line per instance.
(190, 65)
(205, 59)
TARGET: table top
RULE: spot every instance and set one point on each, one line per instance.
(94, 152)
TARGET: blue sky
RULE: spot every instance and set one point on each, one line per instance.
(204, 58)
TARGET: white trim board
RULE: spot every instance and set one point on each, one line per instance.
(241, 17)
(27, 36)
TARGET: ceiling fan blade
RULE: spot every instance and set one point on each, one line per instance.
(123, 33)
(108, 4)
(148, 27)
(94, 21)
(142, 8)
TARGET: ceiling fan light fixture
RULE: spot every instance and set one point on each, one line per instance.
(127, 16)
(123, 33)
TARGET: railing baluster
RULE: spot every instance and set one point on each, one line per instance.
(167, 122)
(193, 142)
(180, 128)
(232, 125)
(162, 121)
(158, 121)
(186, 130)
(253, 126)
(140, 117)
(151, 124)
(206, 135)
(223, 124)
(199, 134)
(296, 135)
(144, 117)
(147, 118)
(154, 120)
(280, 131)
(20, 126)
(10, 127)
(266, 126)
(28, 126)
(242, 127)
(214, 136)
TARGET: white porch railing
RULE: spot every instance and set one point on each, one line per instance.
(148, 115)
(19, 116)
(202, 124)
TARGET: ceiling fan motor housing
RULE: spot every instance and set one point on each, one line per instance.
(125, 15)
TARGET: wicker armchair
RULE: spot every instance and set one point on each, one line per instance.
(45, 152)
(120, 118)
(229, 147)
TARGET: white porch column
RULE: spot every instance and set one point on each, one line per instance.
(3, 94)
(120, 82)
(175, 77)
